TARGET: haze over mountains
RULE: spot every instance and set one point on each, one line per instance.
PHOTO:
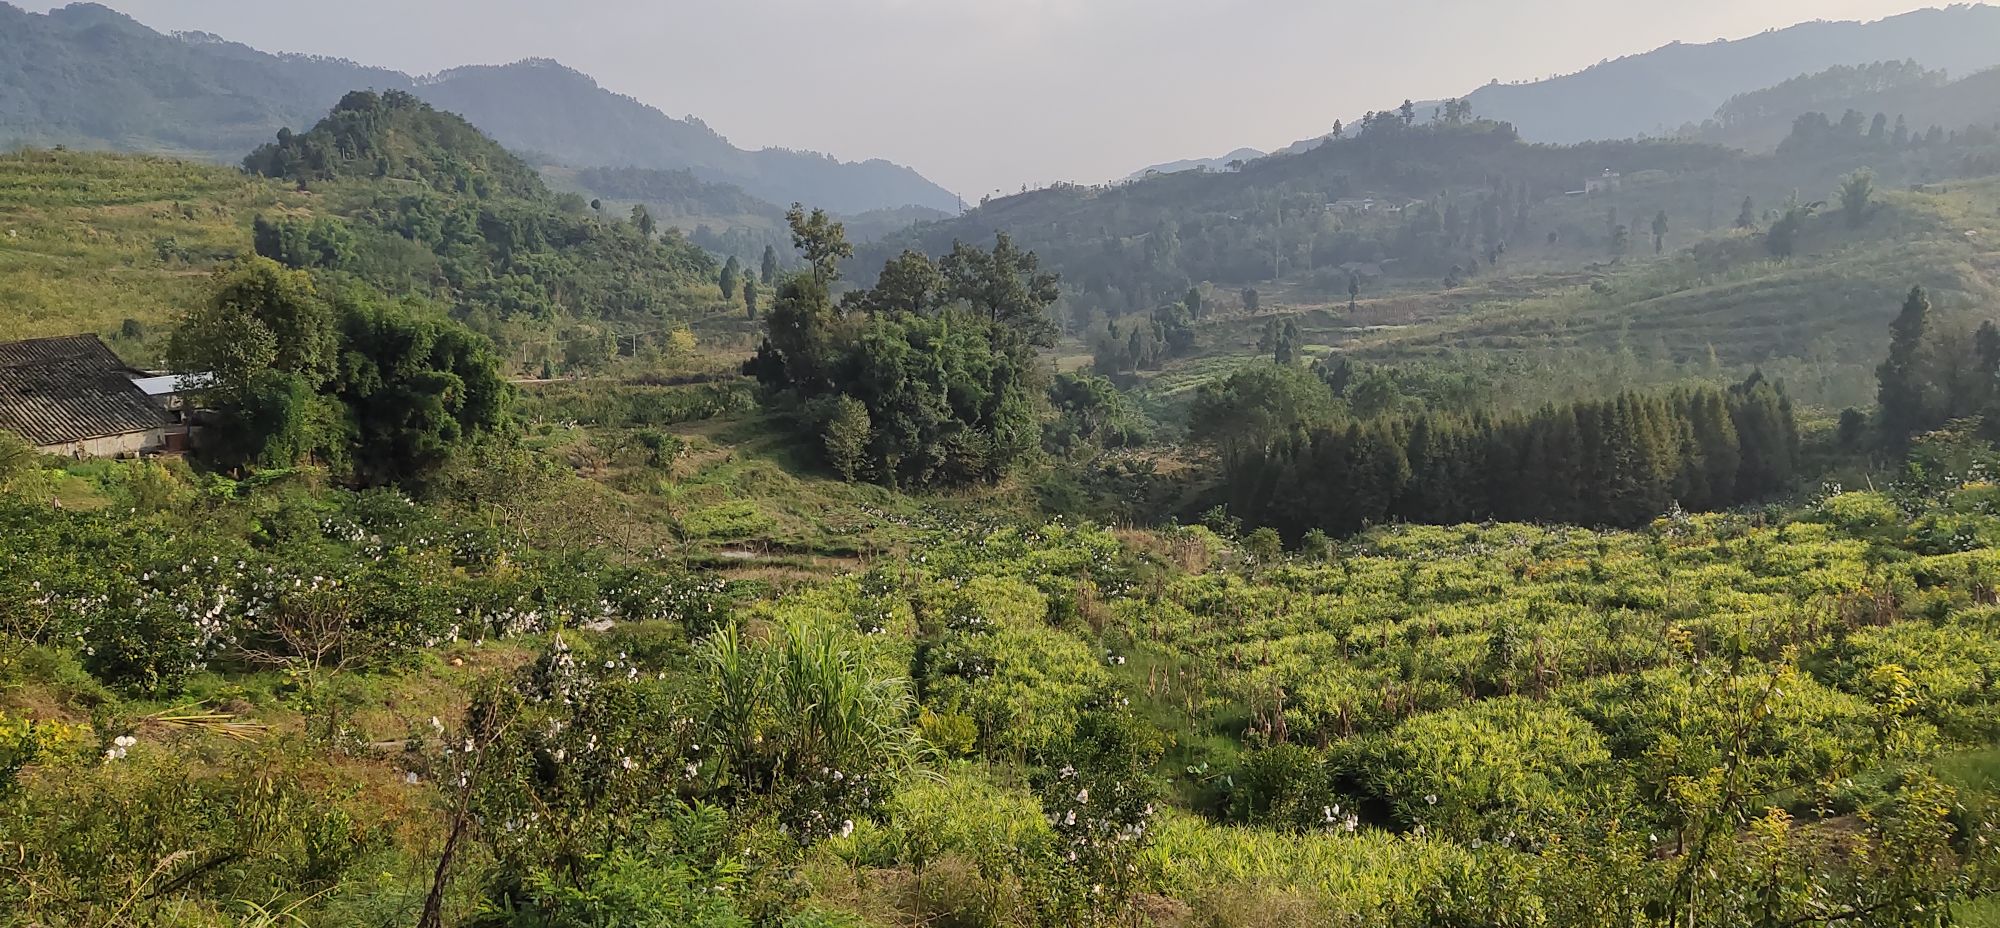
(88, 76)
(1659, 92)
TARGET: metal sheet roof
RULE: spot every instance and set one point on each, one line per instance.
(59, 390)
(165, 384)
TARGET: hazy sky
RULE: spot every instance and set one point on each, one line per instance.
(989, 94)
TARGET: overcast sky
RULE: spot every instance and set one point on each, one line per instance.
(992, 94)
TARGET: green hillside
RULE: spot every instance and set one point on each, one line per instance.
(395, 136)
(94, 240)
(1720, 307)
(423, 202)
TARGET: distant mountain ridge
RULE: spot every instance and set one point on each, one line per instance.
(85, 75)
(1657, 93)
(1202, 164)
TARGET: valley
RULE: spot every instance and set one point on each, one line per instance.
(560, 517)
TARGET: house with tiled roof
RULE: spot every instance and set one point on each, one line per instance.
(72, 396)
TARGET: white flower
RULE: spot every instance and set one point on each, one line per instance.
(410, 777)
(1432, 799)
(1083, 795)
(847, 828)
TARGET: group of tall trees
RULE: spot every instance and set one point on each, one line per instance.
(928, 378)
(379, 392)
(1142, 343)
(1816, 133)
(1935, 372)
(1620, 462)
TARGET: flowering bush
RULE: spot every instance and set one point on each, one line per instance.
(1098, 794)
(569, 761)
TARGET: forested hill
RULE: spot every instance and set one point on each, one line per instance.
(418, 200)
(397, 136)
(1908, 97)
(89, 77)
(1661, 90)
(1396, 196)
(1657, 93)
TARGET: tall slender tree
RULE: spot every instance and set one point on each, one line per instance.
(1901, 388)
(822, 240)
(732, 274)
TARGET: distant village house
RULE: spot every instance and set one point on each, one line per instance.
(72, 396)
(1608, 182)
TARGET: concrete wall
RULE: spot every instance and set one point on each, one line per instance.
(112, 446)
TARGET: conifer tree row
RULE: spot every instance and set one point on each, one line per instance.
(1620, 462)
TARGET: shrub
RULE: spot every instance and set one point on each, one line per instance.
(844, 429)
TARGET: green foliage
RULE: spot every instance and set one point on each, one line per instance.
(1905, 406)
(382, 392)
(395, 135)
(1091, 412)
(17, 457)
(1130, 249)
(1257, 405)
(801, 728)
(945, 398)
(141, 834)
(324, 242)
(427, 203)
(1856, 198)
(821, 240)
(415, 388)
(987, 654)
(844, 423)
(732, 276)
(1099, 797)
(260, 318)
(1504, 769)
(1618, 462)
(1721, 717)
(1783, 237)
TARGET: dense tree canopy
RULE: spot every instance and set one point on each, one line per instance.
(425, 203)
(929, 378)
(382, 393)
(1622, 461)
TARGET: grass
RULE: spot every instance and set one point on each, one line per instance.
(741, 494)
(89, 241)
